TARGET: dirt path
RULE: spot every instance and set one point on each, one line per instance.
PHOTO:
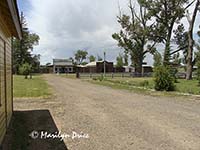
(119, 120)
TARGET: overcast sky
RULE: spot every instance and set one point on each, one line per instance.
(65, 26)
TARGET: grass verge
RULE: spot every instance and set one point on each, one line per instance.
(146, 86)
(36, 87)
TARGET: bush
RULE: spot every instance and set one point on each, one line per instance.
(173, 72)
(25, 69)
(164, 81)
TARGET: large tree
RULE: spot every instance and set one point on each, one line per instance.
(184, 39)
(166, 14)
(80, 55)
(92, 58)
(120, 62)
(134, 34)
(22, 48)
(191, 41)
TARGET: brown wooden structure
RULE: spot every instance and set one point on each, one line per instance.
(9, 27)
(96, 67)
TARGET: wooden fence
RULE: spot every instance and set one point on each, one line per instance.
(113, 75)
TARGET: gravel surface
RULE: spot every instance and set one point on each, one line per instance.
(118, 119)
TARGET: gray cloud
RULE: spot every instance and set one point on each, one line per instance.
(65, 26)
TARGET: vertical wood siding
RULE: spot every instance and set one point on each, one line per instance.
(5, 83)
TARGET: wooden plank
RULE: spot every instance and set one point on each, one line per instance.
(2, 132)
(5, 84)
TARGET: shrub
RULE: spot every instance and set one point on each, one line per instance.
(173, 72)
(25, 69)
(164, 81)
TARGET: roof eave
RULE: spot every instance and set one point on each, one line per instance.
(12, 4)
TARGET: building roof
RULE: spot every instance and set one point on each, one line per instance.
(62, 62)
(128, 67)
(91, 64)
(10, 14)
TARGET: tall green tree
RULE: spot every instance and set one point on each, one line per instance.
(184, 39)
(166, 14)
(99, 58)
(92, 58)
(22, 48)
(157, 59)
(181, 40)
(120, 62)
(125, 59)
(35, 63)
(80, 56)
(134, 34)
(25, 70)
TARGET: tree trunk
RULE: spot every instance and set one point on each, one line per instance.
(31, 76)
(189, 66)
(166, 58)
(138, 67)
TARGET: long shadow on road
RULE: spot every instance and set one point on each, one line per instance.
(23, 123)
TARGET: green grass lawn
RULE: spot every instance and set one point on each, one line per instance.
(147, 84)
(188, 86)
(35, 87)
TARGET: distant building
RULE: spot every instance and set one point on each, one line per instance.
(147, 69)
(63, 66)
(96, 67)
(129, 69)
(46, 69)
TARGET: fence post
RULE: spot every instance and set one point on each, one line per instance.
(77, 75)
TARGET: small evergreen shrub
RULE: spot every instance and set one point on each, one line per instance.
(164, 81)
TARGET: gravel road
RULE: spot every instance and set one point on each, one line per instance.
(118, 119)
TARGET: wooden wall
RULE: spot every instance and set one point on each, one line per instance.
(5, 80)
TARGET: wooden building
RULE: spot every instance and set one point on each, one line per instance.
(9, 27)
(63, 66)
(96, 67)
(46, 69)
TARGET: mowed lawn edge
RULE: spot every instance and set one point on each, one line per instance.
(138, 85)
(144, 85)
(36, 87)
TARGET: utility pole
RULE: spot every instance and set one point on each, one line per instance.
(104, 65)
